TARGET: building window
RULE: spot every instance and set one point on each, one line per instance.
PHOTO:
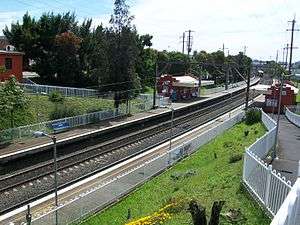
(8, 63)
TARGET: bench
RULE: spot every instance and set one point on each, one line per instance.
(60, 126)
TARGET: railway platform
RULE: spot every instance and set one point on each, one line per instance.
(33, 145)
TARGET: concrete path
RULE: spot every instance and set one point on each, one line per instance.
(288, 149)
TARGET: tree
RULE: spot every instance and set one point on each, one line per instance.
(12, 98)
(67, 46)
(122, 53)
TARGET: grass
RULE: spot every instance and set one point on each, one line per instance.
(148, 90)
(39, 109)
(212, 180)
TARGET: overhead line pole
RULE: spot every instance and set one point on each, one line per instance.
(183, 42)
(292, 43)
(286, 56)
(189, 42)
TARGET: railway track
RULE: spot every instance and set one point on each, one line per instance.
(26, 185)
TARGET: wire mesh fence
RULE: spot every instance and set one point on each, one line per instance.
(66, 91)
(90, 118)
(111, 189)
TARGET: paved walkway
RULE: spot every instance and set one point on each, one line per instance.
(289, 149)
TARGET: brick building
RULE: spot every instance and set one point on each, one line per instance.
(271, 97)
(12, 62)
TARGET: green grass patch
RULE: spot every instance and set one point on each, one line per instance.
(148, 90)
(39, 109)
(202, 177)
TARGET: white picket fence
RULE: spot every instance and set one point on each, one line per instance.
(268, 186)
(109, 191)
(293, 114)
(289, 212)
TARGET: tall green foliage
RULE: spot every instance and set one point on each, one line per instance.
(122, 53)
(12, 98)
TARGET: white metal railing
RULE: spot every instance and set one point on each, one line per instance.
(289, 212)
(110, 190)
(293, 114)
(66, 91)
(268, 186)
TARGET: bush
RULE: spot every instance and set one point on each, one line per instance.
(61, 111)
(253, 116)
(235, 158)
(56, 97)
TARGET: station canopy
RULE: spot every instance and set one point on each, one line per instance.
(189, 81)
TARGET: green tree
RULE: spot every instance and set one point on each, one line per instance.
(67, 46)
(122, 53)
(12, 98)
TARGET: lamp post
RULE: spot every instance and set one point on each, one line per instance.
(274, 153)
(171, 130)
(53, 138)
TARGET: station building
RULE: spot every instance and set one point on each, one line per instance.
(272, 93)
(180, 87)
(12, 63)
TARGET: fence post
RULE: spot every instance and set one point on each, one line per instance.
(267, 192)
(19, 132)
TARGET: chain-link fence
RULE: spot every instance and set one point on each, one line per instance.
(134, 106)
(111, 189)
(66, 91)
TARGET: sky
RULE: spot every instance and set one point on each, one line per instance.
(260, 25)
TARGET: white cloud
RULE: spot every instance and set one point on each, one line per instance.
(6, 18)
(258, 24)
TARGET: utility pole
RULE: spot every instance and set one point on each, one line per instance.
(223, 49)
(154, 85)
(277, 56)
(245, 49)
(247, 90)
(286, 56)
(183, 41)
(283, 56)
(292, 43)
(227, 77)
(189, 42)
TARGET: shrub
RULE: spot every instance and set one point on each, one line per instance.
(56, 97)
(235, 158)
(61, 111)
(253, 116)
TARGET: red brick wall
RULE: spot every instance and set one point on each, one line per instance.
(17, 66)
(288, 98)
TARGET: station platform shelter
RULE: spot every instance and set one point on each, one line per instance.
(180, 87)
